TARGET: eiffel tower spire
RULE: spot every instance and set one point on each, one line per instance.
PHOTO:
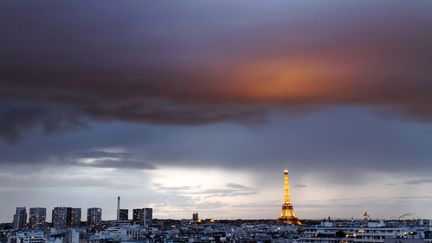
(287, 214)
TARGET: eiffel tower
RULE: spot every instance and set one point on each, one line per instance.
(287, 214)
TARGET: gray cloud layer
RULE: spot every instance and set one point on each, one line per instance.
(171, 82)
(199, 63)
(231, 190)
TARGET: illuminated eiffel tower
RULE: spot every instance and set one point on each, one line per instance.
(287, 214)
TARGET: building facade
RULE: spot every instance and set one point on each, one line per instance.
(143, 216)
(137, 215)
(60, 217)
(123, 214)
(148, 216)
(74, 217)
(20, 218)
(28, 237)
(37, 218)
(373, 233)
(94, 216)
(195, 216)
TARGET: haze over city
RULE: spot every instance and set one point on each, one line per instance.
(198, 106)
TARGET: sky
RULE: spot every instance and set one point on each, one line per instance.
(198, 106)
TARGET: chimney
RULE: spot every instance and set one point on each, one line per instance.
(118, 208)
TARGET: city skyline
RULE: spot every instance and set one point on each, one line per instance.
(197, 106)
(68, 217)
(135, 214)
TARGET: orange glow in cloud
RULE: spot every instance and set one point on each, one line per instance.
(288, 81)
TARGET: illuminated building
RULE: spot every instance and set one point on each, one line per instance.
(373, 232)
(64, 217)
(287, 214)
(20, 218)
(137, 215)
(94, 216)
(28, 237)
(74, 217)
(143, 216)
(60, 217)
(123, 214)
(37, 218)
(148, 216)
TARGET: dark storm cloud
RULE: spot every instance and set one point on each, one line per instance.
(205, 62)
(19, 118)
(326, 141)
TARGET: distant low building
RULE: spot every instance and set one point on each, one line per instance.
(28, 237)
(373, 232)
(66, 236)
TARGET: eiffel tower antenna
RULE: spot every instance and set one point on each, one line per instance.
(287, 214)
